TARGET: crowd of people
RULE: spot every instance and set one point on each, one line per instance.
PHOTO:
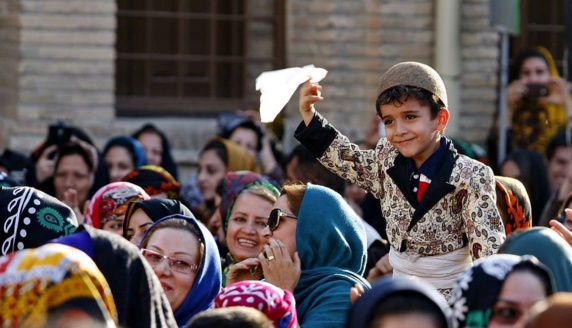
(408, 228)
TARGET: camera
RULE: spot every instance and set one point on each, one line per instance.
(536, 90)
(58, 134)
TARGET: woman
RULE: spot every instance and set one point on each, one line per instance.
(529, 168)
(316, 249)
(122, 155)
(533, 117)
(277, 304)
(398, 302)
(513, 204)
(107, 207)
(140, 215)
(155, 180)
(137, 292)
(157, 148)
(30, 218)
(247, 198)
(191, 274)
(217, 157)
(74, 176)
(549, 248)
(54, 286)
(499, 290)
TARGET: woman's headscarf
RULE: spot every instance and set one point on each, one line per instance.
(111, 201)
(363, 310)
(155, 209)
(549, 248)
(513, 204)
(276, 303)
(237, 159)
(138, 294)
(236, 182)
(133, 146)
(30, 218)
(154, 180)
(331, 244)
(35, 283)
(477, 289)
(167, 161)
(207, 283)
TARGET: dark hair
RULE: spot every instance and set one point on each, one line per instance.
(219, 149)
(294, 193)
(519, 61)
(167, 161)
(73, 148)
(242, 122)
(408, 302)
(230, 317)
(178, 224)
(398, 95)
(559, 140)
(133, 147)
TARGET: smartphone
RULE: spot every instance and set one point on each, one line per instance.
(536, 90)
(58, 135)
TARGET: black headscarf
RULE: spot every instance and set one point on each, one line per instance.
(155, 209)
(136, 290)
(167, 161)
(29, 218)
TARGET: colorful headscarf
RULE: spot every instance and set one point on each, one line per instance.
(155, 209)
(276, 303)
(363, 310)
(236, 182)
(110, 202)
(549, 248)
(237, 158)
(30, 218)
(513, 204)
(207, 283)
(35, 282)
(132, 145)
(154, 180)
(477, 289)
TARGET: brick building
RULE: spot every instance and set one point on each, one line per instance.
(109, 66)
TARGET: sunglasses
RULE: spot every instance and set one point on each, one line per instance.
(506, 314)
(155, 258)
(274, 218)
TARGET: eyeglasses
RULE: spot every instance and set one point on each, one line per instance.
(177, 265)
(274, 218)
(506, 314)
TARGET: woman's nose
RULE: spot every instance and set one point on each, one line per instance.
(266, 232)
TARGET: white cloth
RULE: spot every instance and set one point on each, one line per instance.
(441, 271)
(277, 87)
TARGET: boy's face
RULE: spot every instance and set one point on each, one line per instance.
(410, 128)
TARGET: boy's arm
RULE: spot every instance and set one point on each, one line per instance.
(484, 226)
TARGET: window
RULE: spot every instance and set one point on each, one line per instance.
(194, 57)
(543, 23)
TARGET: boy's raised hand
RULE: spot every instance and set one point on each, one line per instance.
(309, 95)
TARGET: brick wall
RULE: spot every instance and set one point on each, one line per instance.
(358, 40)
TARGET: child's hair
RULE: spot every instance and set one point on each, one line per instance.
(402, 93)
(235, 316)
(405, 303)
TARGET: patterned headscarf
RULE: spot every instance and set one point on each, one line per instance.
(277, 304)
(34, 282)
(110, 202)
(154, 180)
(30, 218)
(477, 289)
(513, 204)
(236, 182)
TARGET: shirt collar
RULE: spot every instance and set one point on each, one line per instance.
(430, 167)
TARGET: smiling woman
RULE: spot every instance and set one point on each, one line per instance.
(184, 257)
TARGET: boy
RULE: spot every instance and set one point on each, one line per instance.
(439, 205)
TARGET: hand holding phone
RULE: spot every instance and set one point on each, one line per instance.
(536, 90)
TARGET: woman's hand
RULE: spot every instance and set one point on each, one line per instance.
(561, 229)
(559, 92)
(309, 95)
(515, 92)
(248, 269)
(46, 163)
(71, 200)
(280, 269)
